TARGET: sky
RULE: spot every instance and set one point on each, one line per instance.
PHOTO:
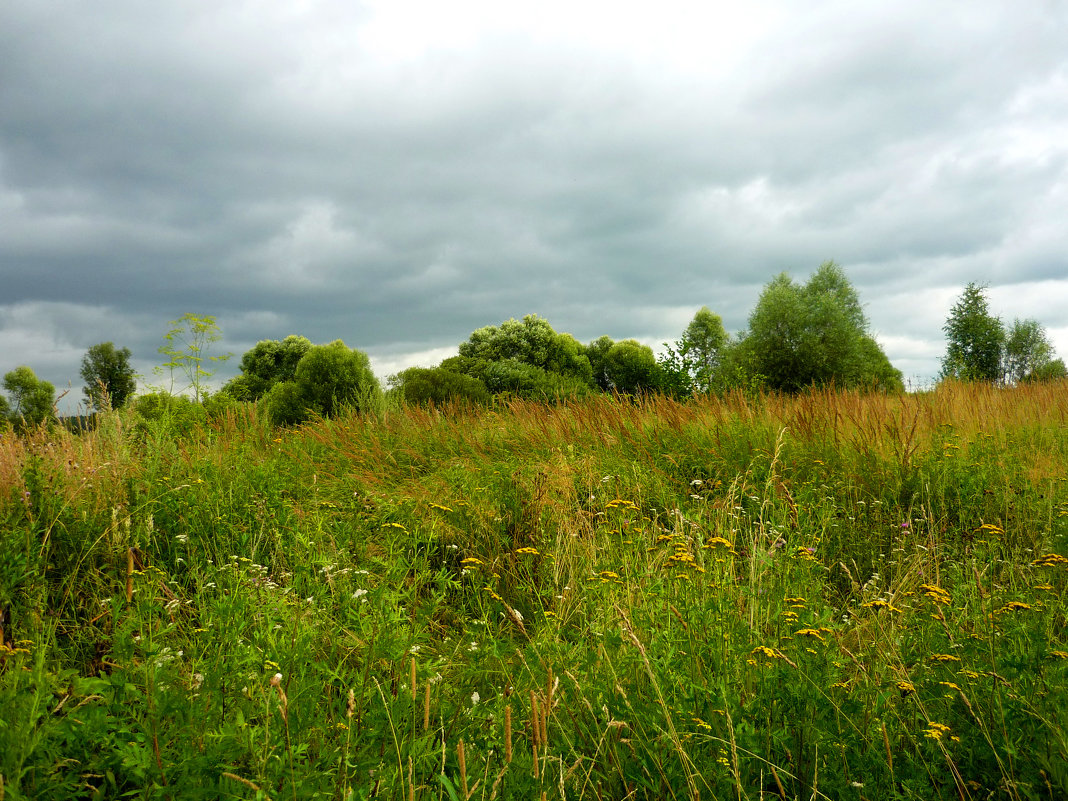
(399, 173)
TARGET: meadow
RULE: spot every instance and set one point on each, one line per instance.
(831, 595)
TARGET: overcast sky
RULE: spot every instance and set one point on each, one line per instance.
(397, 173)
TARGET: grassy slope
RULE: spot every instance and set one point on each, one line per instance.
(832, 595)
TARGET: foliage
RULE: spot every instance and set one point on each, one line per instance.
(109, 379)
(1028, 353)
(732, 597)
(532, 342)
(168, 415)
(186, 346)
(626, 366)
(32, 400)
(814, 335)
(595, 352)
(631, 368)
(438, 385)
(326, 379)
(270, 362)
(975, 339)
(1050, 371)
(694, 363)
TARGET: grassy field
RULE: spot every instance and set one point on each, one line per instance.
(827, 596)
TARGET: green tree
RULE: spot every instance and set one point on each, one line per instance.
(31, 400)
(186, 346)
(525, 358)
(1028, 352)
(437, 385)
(270, 362)
(975, 338)
(109, 379)
(326, 379)
(530, 341)
(630, 367)
(814, 335)
(693, 363)
(1050, 371)
(596, 353)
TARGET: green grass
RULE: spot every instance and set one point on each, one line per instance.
(828, 596)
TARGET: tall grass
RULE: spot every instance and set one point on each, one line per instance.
(826, 596)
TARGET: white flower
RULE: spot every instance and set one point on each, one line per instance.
(696, 482)
(359, 594)
(475, 698)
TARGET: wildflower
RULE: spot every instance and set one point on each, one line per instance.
(439, 506)
(717, 541)
(944, 658)
(471, 561)
(475, 698)
(936, 731)
(1059, 654)
(1014, 606)
(359, 594)
(1050, 560)
(936, 594)
(530, 551)
(810, 633)
(906, 687)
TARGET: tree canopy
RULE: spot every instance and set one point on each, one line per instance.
(109, 379)
(1029, 354)
(326, 379)
(815, 335)
(270, 362)
(974, 338)
(31, 400)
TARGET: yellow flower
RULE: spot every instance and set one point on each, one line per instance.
(810, 633)
(944, 658)
(936, 594)
(936, 731)
(1050, 560)
(1014, 606)
(530, 551)
(439, 506)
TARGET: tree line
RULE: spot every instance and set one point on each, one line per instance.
(799, 335)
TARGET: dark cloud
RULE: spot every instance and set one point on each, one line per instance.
(396, 176)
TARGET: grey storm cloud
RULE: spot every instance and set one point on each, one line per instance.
(398, 174)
